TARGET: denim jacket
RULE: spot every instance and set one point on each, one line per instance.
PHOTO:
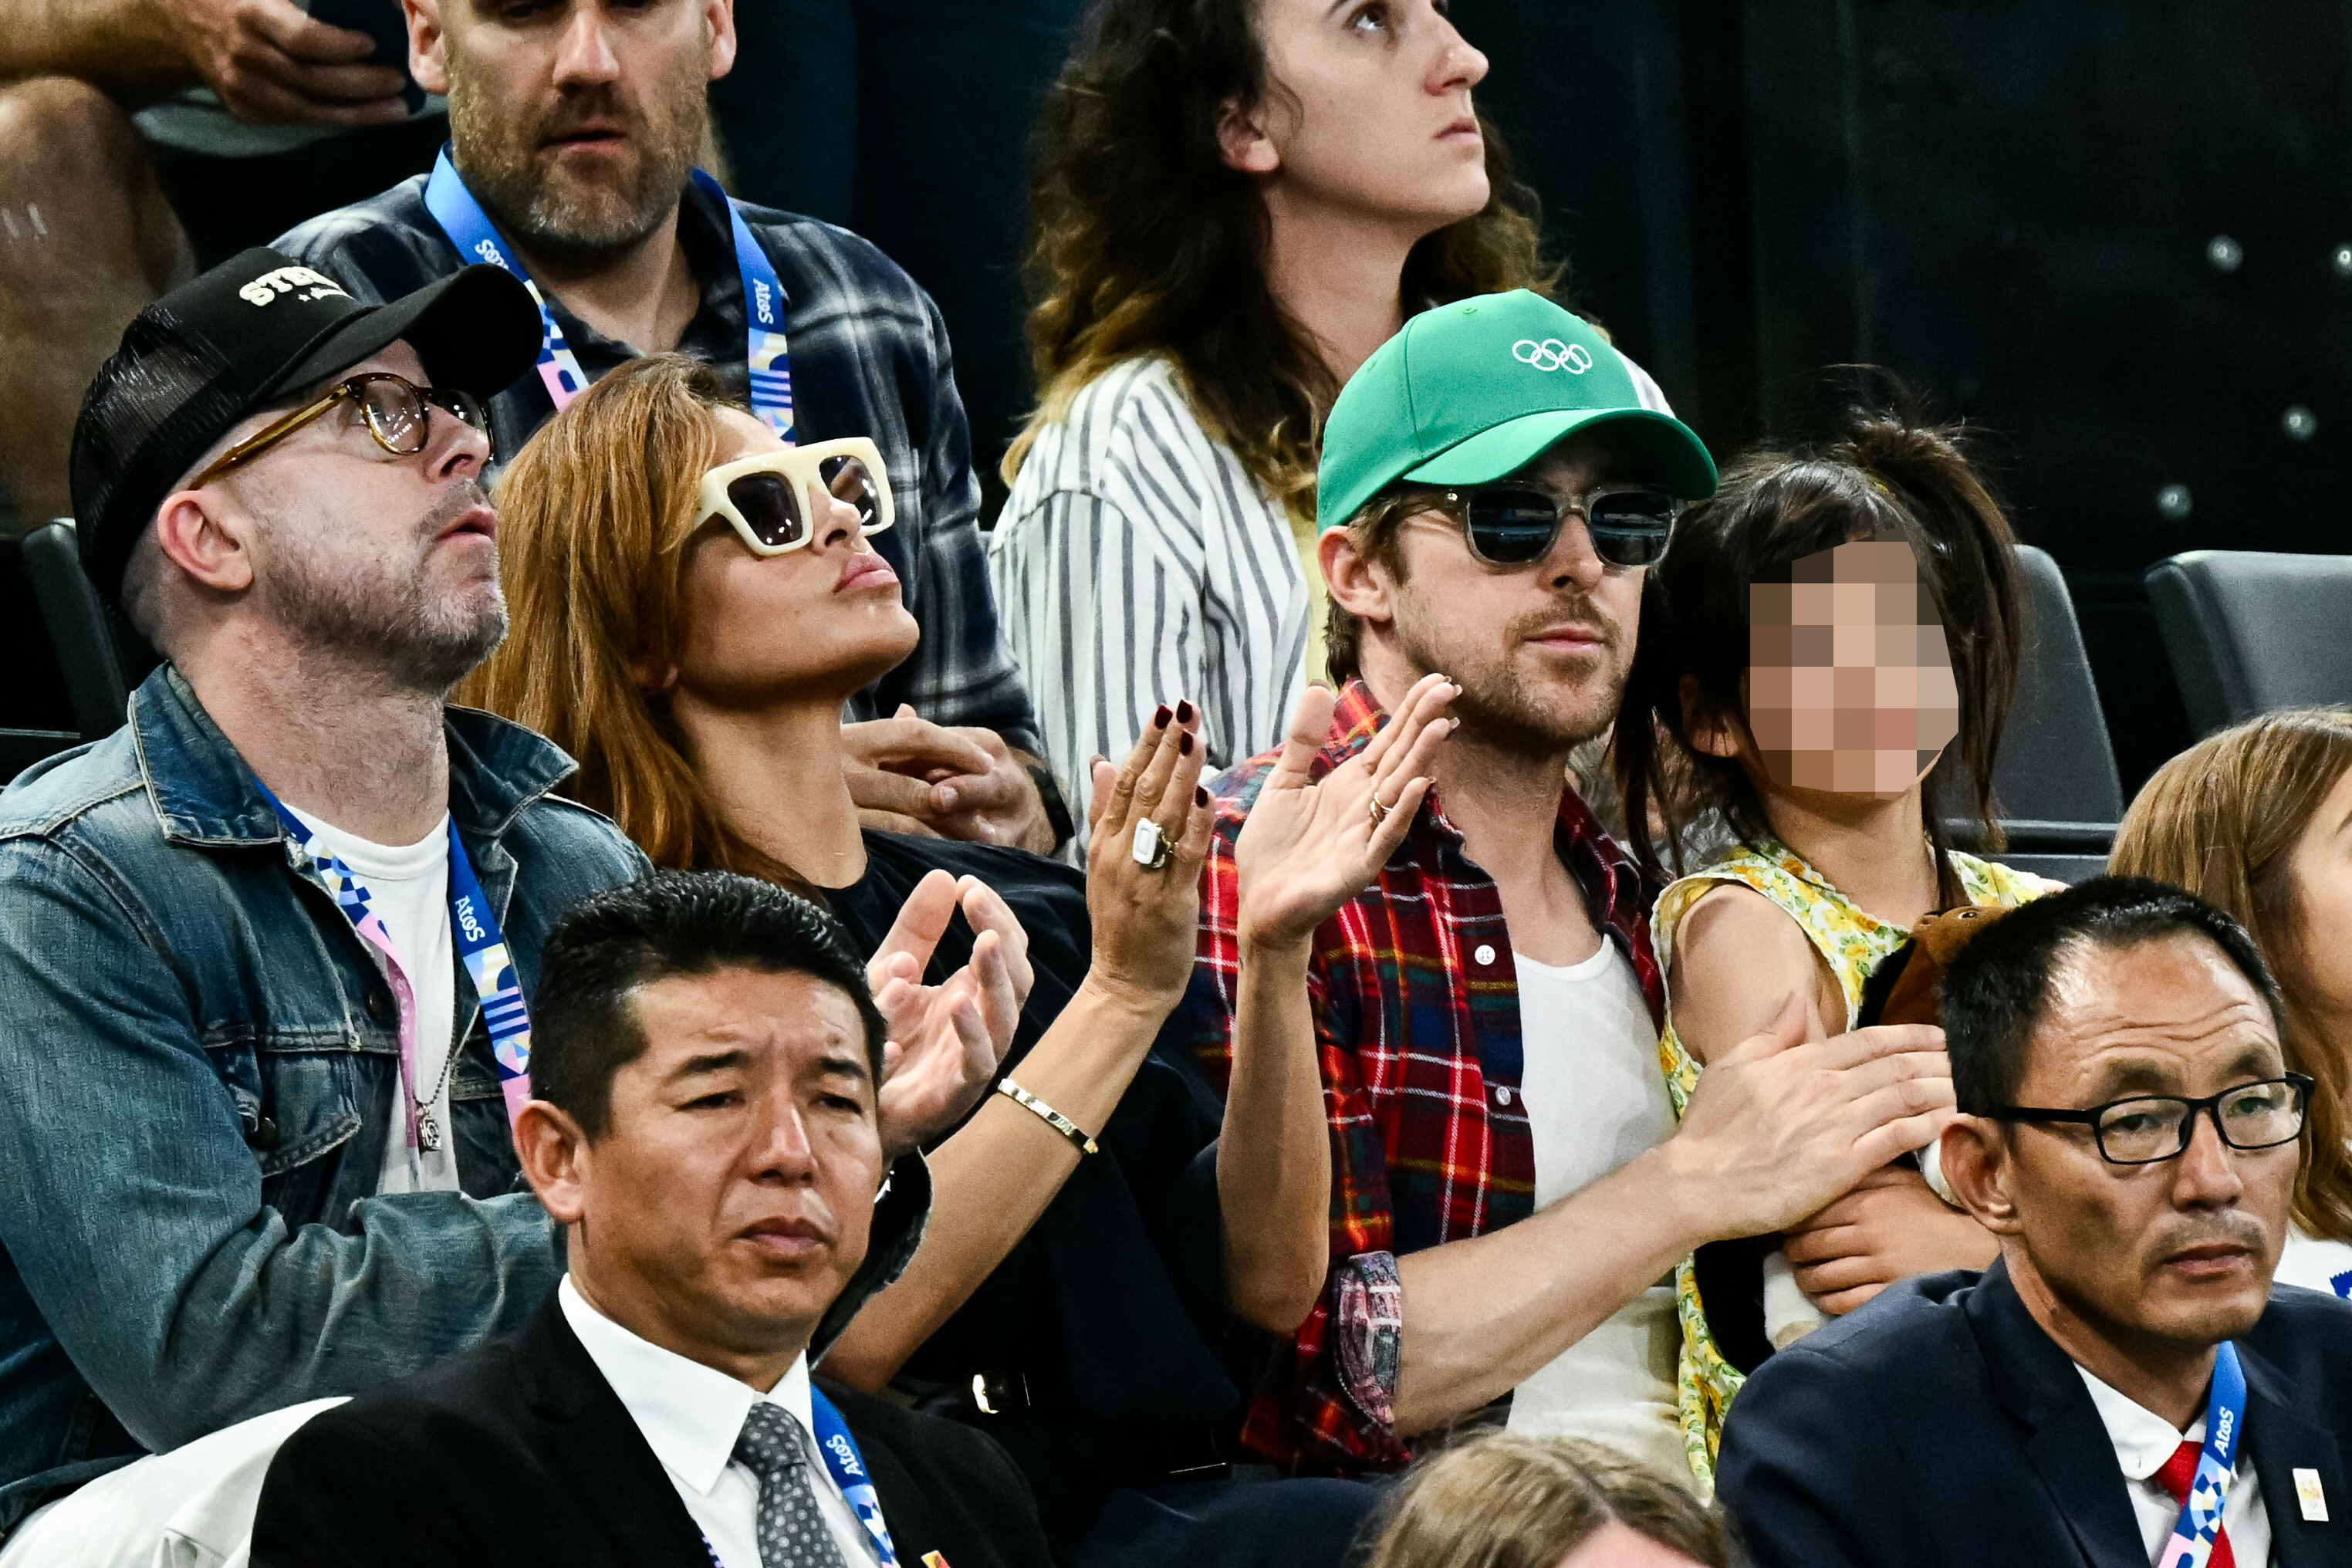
(197, 1060)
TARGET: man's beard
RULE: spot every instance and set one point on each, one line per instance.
(381, 611)
(1496, 707)
(553, 212)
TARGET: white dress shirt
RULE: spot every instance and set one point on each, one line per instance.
(2144, 1441)
(691, 1415)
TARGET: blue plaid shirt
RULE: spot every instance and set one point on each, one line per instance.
(869, 358)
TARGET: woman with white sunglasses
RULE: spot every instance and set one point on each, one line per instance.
(691, 604)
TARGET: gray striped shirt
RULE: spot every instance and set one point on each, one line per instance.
(1136, 563)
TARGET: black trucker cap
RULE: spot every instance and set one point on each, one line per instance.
(243, 336)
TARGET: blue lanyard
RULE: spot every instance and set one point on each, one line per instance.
(848, 1468)
(2216, 1466)
(766, 354)
(480, 946)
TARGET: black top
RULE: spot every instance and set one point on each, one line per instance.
(1940, 1427)
(518, 1453)
(1109, 1311)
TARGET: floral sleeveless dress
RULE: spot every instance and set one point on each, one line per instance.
(1855, 944)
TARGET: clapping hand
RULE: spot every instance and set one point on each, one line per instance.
(1146, 912)
(946, 1040)
(1311, 845)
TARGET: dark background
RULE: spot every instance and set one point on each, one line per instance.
(2104, 231)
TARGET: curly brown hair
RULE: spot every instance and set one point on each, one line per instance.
(1146, 242)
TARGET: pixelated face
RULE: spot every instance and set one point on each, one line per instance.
(1850, 686)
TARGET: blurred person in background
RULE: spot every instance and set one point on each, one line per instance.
(143, 139)
(1822, 635)
(2257, 819)
(1071, 1301)
(574, 129)
(1234, 204)
(1506, 1502)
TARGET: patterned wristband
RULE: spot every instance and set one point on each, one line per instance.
(1046, 1113)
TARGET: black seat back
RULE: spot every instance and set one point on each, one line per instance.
(2249, 632)
(86, 654)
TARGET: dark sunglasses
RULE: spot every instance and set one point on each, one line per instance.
(1510, 524)
(397, 411)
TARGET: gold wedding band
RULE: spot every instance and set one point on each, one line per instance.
(1380, 811)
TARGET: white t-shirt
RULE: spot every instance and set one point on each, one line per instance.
(2144, 1441)
(1595, 1098)
(408, 888)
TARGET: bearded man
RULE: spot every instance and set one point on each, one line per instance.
(575, 126)
(1509, 1184)
(268, 953)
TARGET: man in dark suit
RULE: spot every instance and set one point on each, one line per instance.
(2132, 1136)
(705, 1063)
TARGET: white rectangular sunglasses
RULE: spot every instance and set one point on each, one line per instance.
(766, 498)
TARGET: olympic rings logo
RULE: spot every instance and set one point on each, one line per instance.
(1552, 354)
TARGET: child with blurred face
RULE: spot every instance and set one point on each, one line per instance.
(1817, 638)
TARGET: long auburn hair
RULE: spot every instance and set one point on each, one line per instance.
(1145, 242)
(2222, 819)
(594, 517)
(1883, 476)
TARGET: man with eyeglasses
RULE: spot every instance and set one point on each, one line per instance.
(266, 952)
(1512, 1191)
(2125, 1386)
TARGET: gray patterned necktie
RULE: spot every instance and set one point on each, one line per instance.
(791, 1528)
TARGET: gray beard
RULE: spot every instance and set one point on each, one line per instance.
(379, 618)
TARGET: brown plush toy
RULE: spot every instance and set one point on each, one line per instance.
(1902, 990)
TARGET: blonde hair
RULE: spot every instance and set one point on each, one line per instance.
(2221, 820)
(1501, 1501)
(594, 516)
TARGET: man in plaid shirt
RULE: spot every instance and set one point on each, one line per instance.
(575, 128)
(1509, 1185)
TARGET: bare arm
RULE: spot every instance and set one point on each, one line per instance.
(1737, 956)
(1778, 1128)
(268, 61)
(1308, 848)
(993, 1180)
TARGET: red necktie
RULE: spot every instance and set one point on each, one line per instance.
(2178, 1472)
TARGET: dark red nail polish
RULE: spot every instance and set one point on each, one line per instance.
(1184, 745)
(1183, 713)
(1199, 796)
(1160, 720)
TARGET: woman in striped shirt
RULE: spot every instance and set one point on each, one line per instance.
(1236, 203)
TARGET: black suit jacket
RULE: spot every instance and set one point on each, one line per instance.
(1940, 1427)
(518, 1453)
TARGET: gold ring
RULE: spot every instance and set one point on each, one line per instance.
(1151, 847)
(1380, 811)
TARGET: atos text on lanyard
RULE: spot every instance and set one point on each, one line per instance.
(2192, 1542)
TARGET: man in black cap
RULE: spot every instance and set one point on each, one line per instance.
(266, 954)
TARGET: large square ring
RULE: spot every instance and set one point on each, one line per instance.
(1151, 849)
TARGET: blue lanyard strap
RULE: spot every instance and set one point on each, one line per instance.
(480, 946)
(2216, 1466)
(766, 354)
(849, 1473)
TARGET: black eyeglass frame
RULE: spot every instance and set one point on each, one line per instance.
(2211, 1105)
(1460, 504)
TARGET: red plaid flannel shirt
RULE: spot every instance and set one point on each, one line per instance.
(1416, 1000)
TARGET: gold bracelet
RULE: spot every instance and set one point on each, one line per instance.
(1051, 1117)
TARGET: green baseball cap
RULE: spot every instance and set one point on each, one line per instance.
(1470, 391)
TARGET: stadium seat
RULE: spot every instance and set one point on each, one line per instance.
(78, 631)
(2247, 631)
(2054, 783)
(36, 710)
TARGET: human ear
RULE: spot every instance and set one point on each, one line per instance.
(718, 27)
(427, 45)
(1242, 140)
(1977, 1169)
(1357, 584)
(553, 1151)
(201, 534)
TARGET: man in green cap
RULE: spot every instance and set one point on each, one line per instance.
(1510, 1191)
